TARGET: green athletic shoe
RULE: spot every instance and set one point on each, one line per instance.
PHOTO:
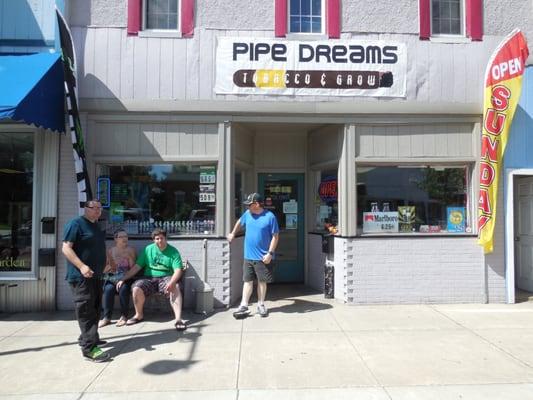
(97, 355)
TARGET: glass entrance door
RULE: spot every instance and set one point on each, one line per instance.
(284, 196)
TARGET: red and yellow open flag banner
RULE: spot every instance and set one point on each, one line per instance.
(503, 84)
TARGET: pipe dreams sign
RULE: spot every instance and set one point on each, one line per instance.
(329, 68)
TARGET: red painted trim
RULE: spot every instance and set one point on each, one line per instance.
(474, 19)
(134, 16)
(424, 15)
(333, 23)
(280, 18)
(187, 18)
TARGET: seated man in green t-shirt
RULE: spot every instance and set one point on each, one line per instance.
(162, 270)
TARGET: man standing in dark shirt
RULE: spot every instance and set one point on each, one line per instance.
(85, 251)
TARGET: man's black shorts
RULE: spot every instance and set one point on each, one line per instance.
(255, 269)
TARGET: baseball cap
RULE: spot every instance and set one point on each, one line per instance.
(253, 198)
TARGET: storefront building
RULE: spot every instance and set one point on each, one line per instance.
(359, 117)
(181, 119)
(31, 120)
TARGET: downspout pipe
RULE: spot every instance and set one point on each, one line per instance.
(204, 285)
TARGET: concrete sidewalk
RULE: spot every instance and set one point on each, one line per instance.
(308, 348)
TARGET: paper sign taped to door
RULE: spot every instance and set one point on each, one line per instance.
(290, 207)
(291, 221)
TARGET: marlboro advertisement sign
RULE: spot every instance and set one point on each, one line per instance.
(340, 68)
(380, 222)
(503, 83)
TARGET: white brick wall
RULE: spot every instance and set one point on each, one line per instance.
(417, 270)
(67, 209)
(343, 267)
(236, 260)
(218, 273)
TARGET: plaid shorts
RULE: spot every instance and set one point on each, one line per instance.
(151, 286)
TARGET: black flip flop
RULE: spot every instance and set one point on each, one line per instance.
(180, 325)
(133, 321)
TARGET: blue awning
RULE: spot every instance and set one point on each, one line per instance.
(32, 90)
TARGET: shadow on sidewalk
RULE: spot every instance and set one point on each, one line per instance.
(299, 306)
(152, 339)
(283, 291)
(148, 340)
(302, 298)
(164, 367)
(285, 299)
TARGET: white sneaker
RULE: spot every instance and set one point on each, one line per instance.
(241, 312)
(241, 309)
(262, 310)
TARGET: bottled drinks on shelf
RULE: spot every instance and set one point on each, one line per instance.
(374, 207)
(185, 227)
(131, 227)
(386, 207)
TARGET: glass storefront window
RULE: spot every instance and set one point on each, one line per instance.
(16, 177)
(327, 203)
(396, 199)
(179, 198)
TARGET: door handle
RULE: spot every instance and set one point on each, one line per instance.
(517, 238)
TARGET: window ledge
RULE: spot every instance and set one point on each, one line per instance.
(160, 34)
(5, 279)
(320, 233)
(170, 237)
(416, 235)
(307, 36)
(450, 39)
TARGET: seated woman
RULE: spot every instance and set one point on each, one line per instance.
(120, 259)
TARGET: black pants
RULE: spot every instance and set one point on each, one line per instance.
(87, 296)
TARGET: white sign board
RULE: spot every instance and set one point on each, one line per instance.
(380, 222)
(207, 197)
(290, 207)
(329, 68)
(207, 175)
